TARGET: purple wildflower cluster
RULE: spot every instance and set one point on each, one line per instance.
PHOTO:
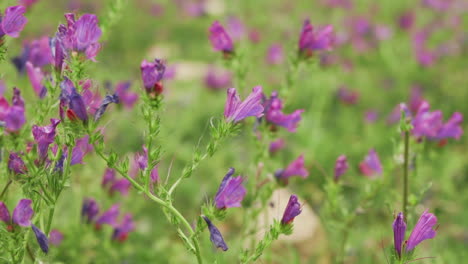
(423, 230)
(121, 228)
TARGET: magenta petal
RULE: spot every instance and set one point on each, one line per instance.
(14, 21)
(235, 110)
(292, 210)
(399, 229)
(23, 213)
(4, 213)
(422, 231)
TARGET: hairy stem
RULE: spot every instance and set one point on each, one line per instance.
(405, 174)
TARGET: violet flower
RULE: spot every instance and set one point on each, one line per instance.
(13, 22)
(110, 182)
(80, 35)
(399, 229)
(104, 104)
(38, 52)
(310, 41)
(274, 114)
(41, 239)
(152, 73)
(44, 136)
(121, 231)
(371, 116)
(36, 77)
(89, 210)
(16, 164)
(341, 166)
(220, 39)
(22, 213)
(422, 230)
(276, 145)
(217, 79)
(430, 124)
(82, 147)
(235, 27)
(295, 168)
(55, 237)
(347, 96)
(13, 115)
(292, 210)
(126, 97)
(371, 166)
(235, 110)
(275, 54)
(109, 217)
(231, 192)
(215, 236)
(406, 20)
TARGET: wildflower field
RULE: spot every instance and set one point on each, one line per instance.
(211, 131)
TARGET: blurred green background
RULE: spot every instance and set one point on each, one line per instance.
(383, 77)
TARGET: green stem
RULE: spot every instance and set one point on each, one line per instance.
(405, 175)
(5, 189)
(159, 201)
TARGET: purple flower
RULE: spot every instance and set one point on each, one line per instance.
(58, 53)
(127, 98)
(13, 22)
(41, 239)
(23, 213)
(77, 107)
(37, 52)
(104, 104)
(399, 229)
(371, 166)
(235, 110)
(44, 136)
(347, 96)
(13, 115)
(27, 3)
(36, 76)
(292, 210)
(341, 166)
(109, 217)
(82, 147)
(310, 41)
(215, 236)
(274, 114)
(89, 210)
(422, 231)
(152, 74)
(109, 178)
(16, 164)
(430, 124)
(235, 27)
(217, 79)
(231, 192)
(220, 40)
(121, 231)
(295, 168)
(142, 159)
(4, 213)
(122, 186)
(276, 145)
(55, 237)
(80, 35)
(406, 20)
(371, 116)
(424, 56)
(437, 5)
(275, 54)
